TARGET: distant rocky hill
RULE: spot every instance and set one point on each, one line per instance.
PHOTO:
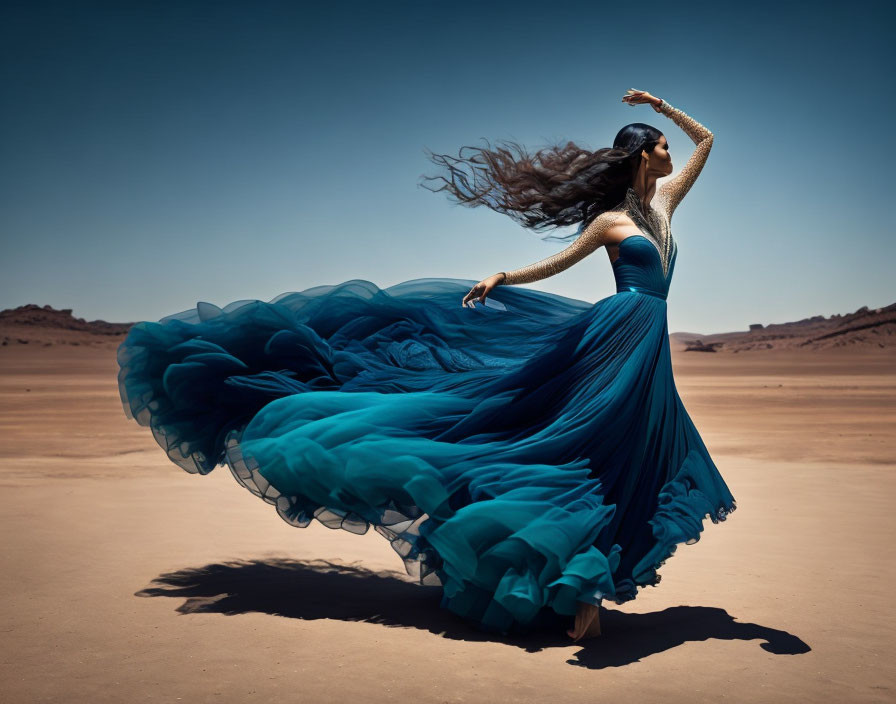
(33, 324)
(871, 328)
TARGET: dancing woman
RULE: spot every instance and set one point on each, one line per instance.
(531, 455)
(531, 191)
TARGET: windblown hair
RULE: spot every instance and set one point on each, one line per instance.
(557, 186)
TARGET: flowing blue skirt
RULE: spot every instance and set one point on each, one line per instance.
(527, 454)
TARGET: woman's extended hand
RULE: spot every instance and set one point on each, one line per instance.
(633, 96)
(482, 289)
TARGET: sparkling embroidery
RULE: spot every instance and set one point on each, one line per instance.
(587, 242)
(671, 193)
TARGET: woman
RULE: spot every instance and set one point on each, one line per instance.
(531, 455)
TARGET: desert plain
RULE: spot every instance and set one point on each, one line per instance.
(125, 579)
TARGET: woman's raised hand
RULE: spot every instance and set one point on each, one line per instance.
(633, 96)
(481, 290)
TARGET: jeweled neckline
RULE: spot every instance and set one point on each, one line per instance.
(648, 223)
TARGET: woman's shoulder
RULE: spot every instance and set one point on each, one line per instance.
(611, 226)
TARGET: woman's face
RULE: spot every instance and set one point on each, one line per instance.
(660, 162)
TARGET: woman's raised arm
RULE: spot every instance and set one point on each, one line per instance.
(672, 192)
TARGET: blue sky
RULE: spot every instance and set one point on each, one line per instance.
(158, 154)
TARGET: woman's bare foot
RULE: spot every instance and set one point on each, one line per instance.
(587, 623)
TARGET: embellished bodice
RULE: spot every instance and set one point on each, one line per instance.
(645, 260)
(639, 268)
(654, 224)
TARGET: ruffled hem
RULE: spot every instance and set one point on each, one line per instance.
(627, 590)
(502, 587)
(398, 523)
(682, 509)
(510, 585)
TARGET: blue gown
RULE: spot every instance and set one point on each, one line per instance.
(525, 454)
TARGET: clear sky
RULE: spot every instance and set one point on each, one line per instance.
(158, 154)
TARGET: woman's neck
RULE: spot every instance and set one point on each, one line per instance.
(645, 190)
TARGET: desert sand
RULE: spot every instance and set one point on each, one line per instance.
(126, 579)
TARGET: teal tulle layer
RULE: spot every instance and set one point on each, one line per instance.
(525, 455)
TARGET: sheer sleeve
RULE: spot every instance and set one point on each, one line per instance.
(590, 240)
(672, 192)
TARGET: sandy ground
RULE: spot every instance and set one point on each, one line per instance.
(125, 579)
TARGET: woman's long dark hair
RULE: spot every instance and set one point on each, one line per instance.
(557, 186)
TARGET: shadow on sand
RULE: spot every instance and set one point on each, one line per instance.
(315, 589)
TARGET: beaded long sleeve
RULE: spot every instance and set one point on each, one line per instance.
(672, 192)
(590, 240)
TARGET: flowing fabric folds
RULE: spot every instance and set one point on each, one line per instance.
(526, 454)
